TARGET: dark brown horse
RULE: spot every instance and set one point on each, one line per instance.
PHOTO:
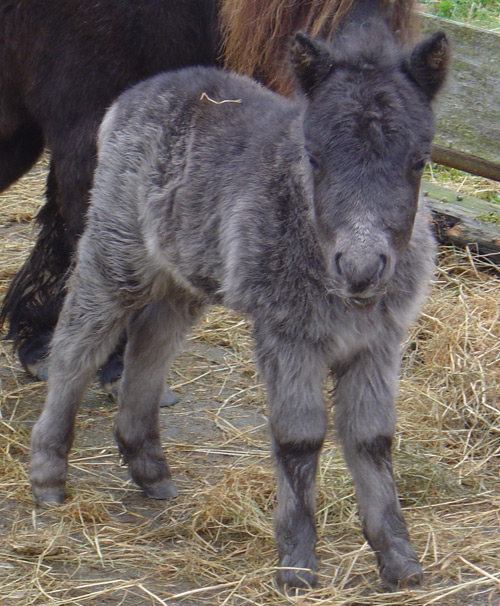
(63, 63)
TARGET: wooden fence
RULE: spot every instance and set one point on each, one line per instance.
(468, 136)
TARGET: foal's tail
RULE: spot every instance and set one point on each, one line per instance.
(256, 35)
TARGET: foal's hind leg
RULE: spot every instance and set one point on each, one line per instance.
(365, 418)
(87, 331)
(155, 333)
(110, 374)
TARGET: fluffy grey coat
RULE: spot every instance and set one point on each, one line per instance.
(303, 214)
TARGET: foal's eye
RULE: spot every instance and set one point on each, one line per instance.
(419, 166)
(313, 161)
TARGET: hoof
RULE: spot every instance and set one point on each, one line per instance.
(49, 496)
(164, 489)
(406, 576)
(168, 397)
(112, 390)
(33, 354)
(296, 580)
(38, 370)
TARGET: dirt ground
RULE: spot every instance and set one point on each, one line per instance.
(204, 434)
(213, 544)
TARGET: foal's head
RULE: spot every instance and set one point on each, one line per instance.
(368, 128)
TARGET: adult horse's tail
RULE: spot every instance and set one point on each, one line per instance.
(256, 34)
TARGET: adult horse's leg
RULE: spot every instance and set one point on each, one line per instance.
(35, 295)
(154, 335)
(18, 152)
(294, 374)
(88, 329)
(365, 418)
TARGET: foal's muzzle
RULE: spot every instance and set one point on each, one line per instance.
(361, 276)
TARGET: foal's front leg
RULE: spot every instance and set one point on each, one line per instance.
(365, 419)
(294, 376)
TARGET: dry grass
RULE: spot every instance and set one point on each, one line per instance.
(463, 182)
(214, 544)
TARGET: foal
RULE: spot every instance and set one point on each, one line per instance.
(304, 214)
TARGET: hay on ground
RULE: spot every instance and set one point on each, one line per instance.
(108, 545)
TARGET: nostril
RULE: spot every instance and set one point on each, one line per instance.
(337, 259)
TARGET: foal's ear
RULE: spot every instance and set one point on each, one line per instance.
(311, 61)
(428, 63)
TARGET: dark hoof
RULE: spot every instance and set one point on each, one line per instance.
(402, 575)
(49, 496)
(164, 489)
(38, 370)
(168, 397)
(33, 354)
(295, 580)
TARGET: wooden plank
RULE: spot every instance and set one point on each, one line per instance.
(462, 161)
(465, 221)
(468, 111)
